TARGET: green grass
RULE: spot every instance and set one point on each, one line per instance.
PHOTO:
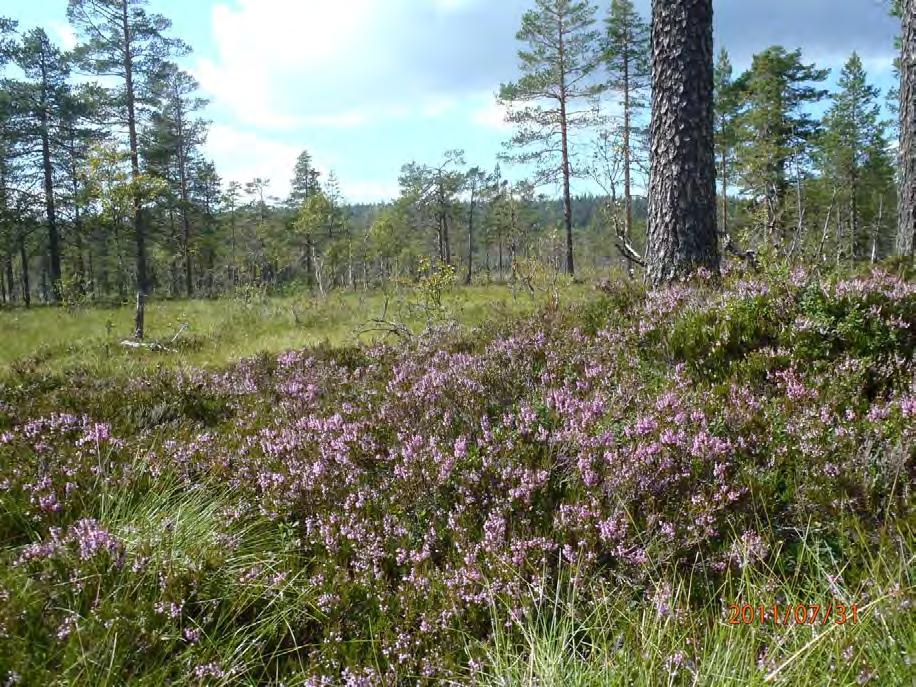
(220, 331)
(620, 638)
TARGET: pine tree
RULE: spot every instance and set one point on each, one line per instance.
(775, 127)
(40, 100)
(727, 109)
(179, 134)
(124, 42)
(853, 155)
(627, 54)
(432, 194)
(682, 188)
(305, 180)
(557, 64)
(475, 183)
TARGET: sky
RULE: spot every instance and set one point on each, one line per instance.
(368, 85)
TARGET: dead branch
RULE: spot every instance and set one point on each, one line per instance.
(820, 249)
(159, 348)
(749, 256)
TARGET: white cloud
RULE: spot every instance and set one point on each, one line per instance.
(491, 115)
(243, 155)
(65, 34)
(289, 65)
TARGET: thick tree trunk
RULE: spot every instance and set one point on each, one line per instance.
(682, 195)
(906, 213)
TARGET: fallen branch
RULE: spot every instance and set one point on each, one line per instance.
(820, 249)
(383, 324)
(159, 348)
(182, 330)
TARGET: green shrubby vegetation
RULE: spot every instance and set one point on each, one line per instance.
(570, 494)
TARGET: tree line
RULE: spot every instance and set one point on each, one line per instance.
(106, 191)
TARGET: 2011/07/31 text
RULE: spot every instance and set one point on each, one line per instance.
(793, 614)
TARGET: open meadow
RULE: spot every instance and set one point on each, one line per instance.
(215, 332)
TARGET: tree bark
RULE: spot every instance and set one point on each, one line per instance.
(24, 261)
(185, 220)
(567, 172)
(50, 210)
(906, 213)
(467, 279)
(627, 156)
(682, 196)
(139, 233)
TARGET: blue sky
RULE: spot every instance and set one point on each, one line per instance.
(367, 85)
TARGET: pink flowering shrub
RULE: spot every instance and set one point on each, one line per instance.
(405, 489)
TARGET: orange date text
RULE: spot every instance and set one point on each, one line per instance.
(793, 614)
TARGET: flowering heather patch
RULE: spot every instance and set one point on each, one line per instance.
(367, 516)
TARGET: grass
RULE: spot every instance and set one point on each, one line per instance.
(214, 333)
(609, 640)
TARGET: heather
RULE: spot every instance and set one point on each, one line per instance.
(573, 496)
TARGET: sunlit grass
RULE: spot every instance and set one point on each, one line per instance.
(205, 333)
(613, 638)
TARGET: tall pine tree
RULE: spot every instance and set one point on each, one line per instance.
(40, 101)
(775, 127)
(558, 62)
(854, 157)
(629, 68)
(123, 41)
(727, 109)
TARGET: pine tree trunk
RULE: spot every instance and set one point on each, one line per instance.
(139, 233)
(906, 214)
(467, 279)
(564, 141)
(627, 156)
(185, 220)
(724, 183)
(309, 264)
(567, 197)
(24, 260)
(682, 195)
(50, 210)
(448, 248)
